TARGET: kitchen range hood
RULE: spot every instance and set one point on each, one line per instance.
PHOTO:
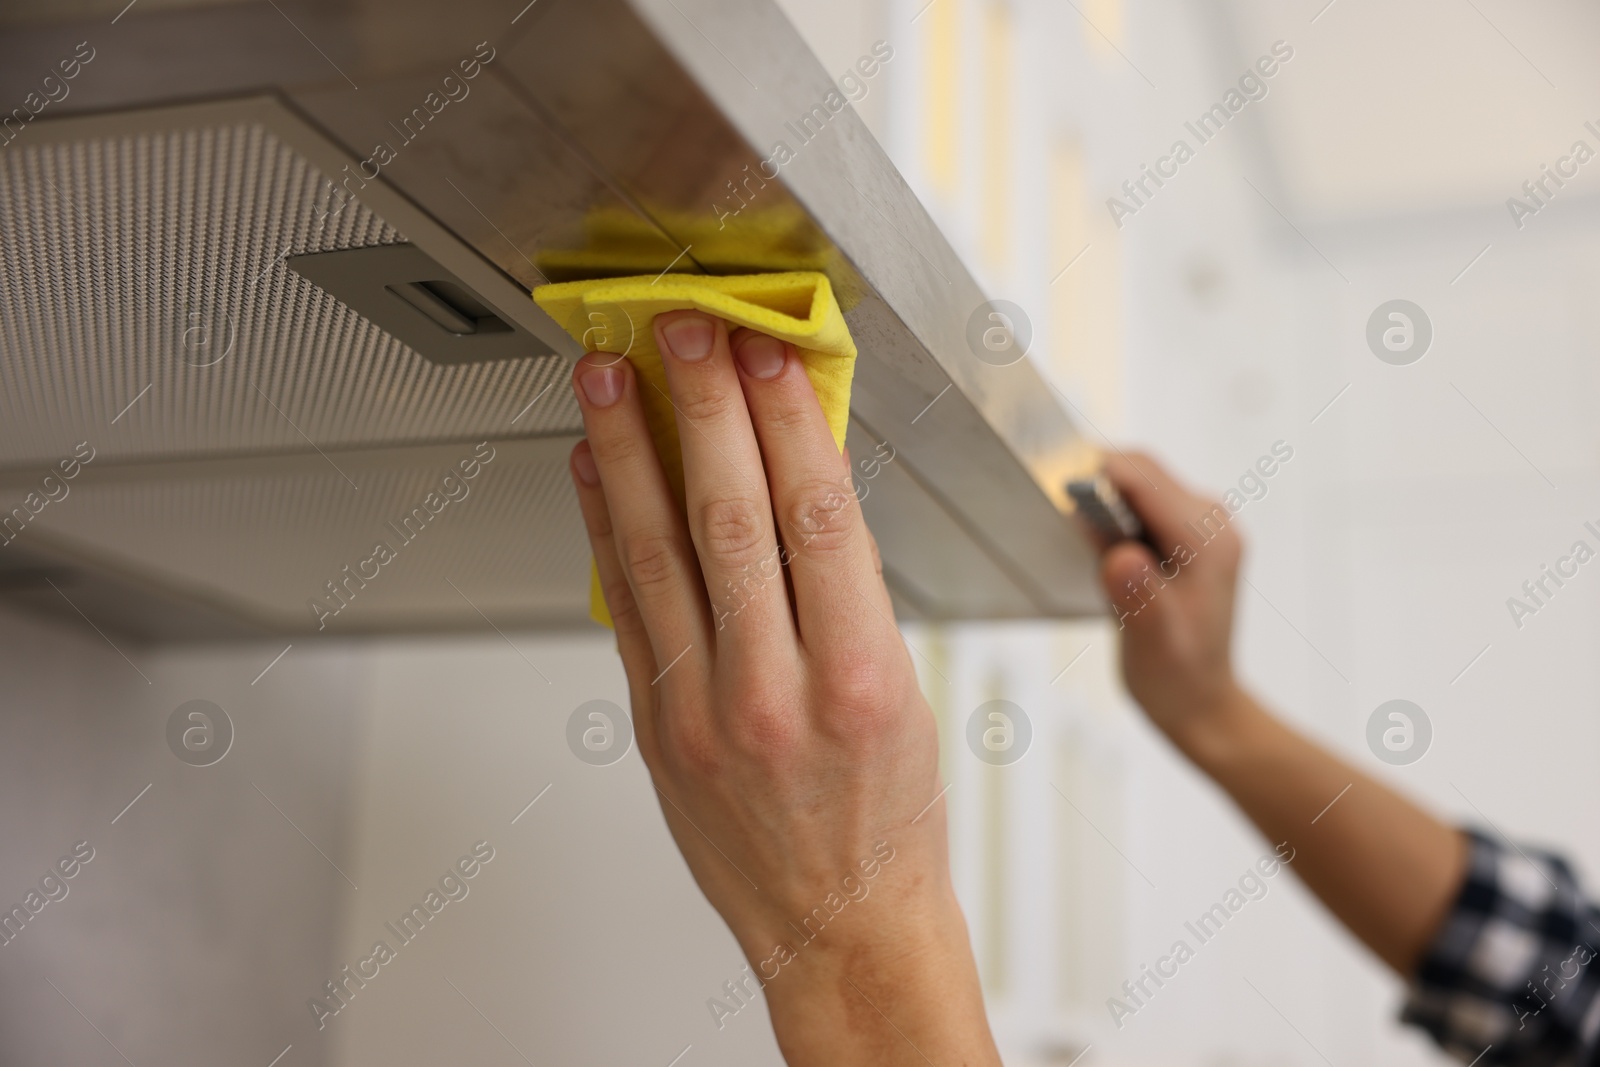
(264, 276)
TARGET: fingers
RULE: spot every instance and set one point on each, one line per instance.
(1196, 538)
(1170, 512)
(729, 509)
(1128, 573)
(829, 552)
(647, 532)
(1152, 493)
(633, 643)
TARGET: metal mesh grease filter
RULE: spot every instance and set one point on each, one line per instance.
(147, 270)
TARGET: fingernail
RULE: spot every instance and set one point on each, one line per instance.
(761, 356)
(583, 464)
(689, 338)
(602, 385)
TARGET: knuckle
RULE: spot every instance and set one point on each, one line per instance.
(733, 528)
(617, 449)
(766, 725)
(708, 404)
(650, 558)
(620, 603)
(821, 520)
(864, 691)
(787, 420)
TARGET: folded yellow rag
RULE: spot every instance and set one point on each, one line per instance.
(615, 315)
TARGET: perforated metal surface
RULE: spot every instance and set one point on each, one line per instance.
(253, 437)
(264, 539)
(147, 269)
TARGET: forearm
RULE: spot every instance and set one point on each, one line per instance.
(864, 1001)
(1385, 867)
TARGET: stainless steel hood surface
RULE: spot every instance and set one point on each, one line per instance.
(254, 438)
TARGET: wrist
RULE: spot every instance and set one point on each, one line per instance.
(882, 991)
(1220, 729)
(884, 933)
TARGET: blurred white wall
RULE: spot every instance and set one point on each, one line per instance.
(206, 907)
(585, 940)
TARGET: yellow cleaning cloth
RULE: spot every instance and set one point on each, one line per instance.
(615, 315)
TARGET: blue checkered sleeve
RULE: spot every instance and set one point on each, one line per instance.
(1511, 977)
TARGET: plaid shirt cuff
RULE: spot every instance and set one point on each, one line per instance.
(1512, 976)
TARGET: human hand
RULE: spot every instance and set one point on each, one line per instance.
(774, 702)
(1386, 868)
(1176, 612)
